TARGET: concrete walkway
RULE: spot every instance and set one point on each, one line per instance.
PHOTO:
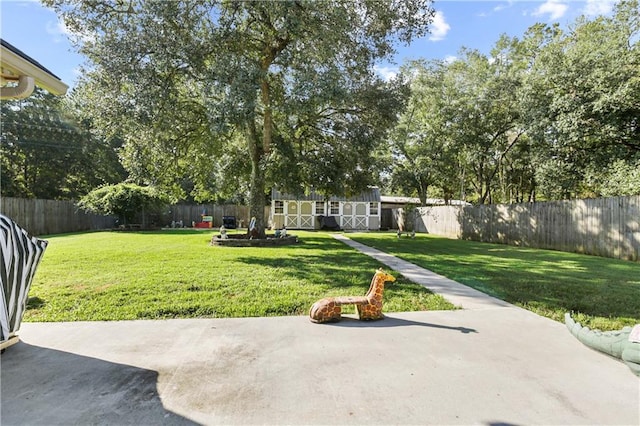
(456, 293)
(490, 364)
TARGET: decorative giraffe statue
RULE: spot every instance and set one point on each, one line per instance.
(369, 306)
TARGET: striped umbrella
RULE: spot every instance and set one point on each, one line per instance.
(19, 258)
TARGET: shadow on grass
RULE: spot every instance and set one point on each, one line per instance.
(302, 261)
(543, 280)
(176, 231)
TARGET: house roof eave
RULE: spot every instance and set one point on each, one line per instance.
(16, 63)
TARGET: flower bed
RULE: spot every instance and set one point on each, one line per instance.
(243, 241)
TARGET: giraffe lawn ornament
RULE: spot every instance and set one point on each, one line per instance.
(369, 306)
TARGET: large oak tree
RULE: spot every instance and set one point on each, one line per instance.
(284, 90)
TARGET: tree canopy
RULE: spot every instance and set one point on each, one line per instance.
(221, 100)
(243, 94)
(553, 114)
(49, 152)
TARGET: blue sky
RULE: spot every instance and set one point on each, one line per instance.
(475, 24)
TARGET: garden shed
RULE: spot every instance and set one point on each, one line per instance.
(361, 212)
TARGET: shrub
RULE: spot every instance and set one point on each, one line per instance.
(124, 200)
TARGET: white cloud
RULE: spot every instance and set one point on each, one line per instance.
(450, 59)
(554, 8)
(439, 27)
(387, 73)
(58, 30)
(500, 7)
(599, 7)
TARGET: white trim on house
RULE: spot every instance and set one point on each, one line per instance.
(19, 68)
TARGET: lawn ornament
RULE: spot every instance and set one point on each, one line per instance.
(369, 306)
(281, 233)
(253, 231)
(411, 234)
(20, 255)
(622, 344)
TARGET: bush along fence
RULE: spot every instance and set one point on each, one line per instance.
(607, 227)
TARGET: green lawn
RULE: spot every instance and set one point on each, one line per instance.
(604, 293)
(177, 274)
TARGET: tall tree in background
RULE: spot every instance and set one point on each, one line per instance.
(291, 83)
(48, 152)
(421, 142)
(553, 115)
(581, 99)
(461, 123)
(486, 122)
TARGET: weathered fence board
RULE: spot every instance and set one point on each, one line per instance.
(41, 217)
(608, 227)
(188, 213)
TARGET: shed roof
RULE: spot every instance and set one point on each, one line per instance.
(371, 195)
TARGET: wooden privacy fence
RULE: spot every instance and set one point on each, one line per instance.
(41, 217)
(608, 227)
(188, 214)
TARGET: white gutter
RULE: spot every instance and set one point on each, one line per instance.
(25, 87)
(15, 66)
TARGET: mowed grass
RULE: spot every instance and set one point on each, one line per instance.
(177, 274)
(603, 293)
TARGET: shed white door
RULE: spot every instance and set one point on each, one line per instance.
(347, 216)
(292, 214)
(306, 215)
(299, 214)
(360, 216)
(354, 216)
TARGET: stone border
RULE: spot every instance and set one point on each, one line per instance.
(242, 241)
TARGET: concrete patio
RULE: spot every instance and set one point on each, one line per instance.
(490, 363)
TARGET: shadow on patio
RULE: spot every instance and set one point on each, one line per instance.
(46, 386)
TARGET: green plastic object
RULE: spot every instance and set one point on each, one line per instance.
(622, 344)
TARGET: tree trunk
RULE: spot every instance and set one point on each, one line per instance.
(258, 150)
(422, 193)
(257, 199)
(256, 188)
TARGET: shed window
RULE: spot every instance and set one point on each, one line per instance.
(373, 209)
(278, 207)
(335, 207)
(320, 208)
